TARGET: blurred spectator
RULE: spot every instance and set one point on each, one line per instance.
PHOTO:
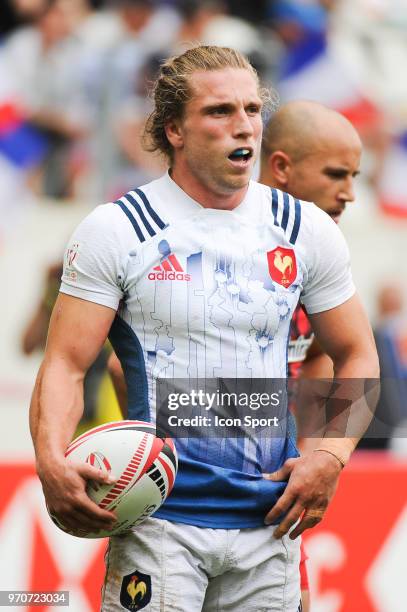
(8, 20)
(317, 63)
(391, 340)
(42, 59)
(35, 334)
(255, 12)
(100, 404)
(231, 31)
(150, 34)
(210, 22)
(28, 10)
(94, 29)
(370, 37)
(14, 13)
(83, 67)
(196, 17)
(296, 19)
(120, 95)
(390, 176)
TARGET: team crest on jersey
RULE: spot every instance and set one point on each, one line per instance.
(135, 592)
(169, 268)
(282, 266)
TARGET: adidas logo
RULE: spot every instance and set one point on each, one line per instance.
(169, 269)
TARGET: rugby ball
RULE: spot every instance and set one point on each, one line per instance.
(144, 468)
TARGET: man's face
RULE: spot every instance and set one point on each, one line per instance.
(326, 175)
(220, 130)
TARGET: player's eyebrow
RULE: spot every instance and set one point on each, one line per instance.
(209, 108)
(229, 106)
(340, 171)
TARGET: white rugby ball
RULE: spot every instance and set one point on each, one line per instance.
(144, 468)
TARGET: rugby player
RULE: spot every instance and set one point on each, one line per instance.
(313, 153)
(243, 255)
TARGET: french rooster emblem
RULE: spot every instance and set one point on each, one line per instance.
(283, 263)
(282, 266)
(135, 592)
(135, 588)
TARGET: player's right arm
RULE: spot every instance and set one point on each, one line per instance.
(92, 287)
(77, 332)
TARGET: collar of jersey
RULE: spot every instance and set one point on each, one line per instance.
(187, 205)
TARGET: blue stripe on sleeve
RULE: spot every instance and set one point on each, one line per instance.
(286, 211)
(297, 222)
(274, 205)
(132, 220)
(142, 216)
(149, 209)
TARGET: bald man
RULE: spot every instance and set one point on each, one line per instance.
(313, 153)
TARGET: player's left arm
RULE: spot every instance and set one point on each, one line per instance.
(342, 328)
(317, 367)
(317, 364)
(345, 334)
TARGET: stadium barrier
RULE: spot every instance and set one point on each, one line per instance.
(358, 555)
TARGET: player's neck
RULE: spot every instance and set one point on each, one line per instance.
(205, 196)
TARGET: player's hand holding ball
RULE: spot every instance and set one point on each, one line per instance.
(129, 473)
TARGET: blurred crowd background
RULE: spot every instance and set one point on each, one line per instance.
(74, 82)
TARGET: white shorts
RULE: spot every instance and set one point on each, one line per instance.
(163, 566)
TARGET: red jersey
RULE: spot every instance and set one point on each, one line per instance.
(301, 337)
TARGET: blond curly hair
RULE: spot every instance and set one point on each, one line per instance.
(172, 90)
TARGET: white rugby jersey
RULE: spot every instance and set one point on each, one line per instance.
(207, 293)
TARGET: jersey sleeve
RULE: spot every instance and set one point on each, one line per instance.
(329, 280)
(96, 255)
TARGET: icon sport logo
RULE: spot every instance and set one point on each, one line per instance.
(169, 268)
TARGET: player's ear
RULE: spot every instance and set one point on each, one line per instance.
(280, 166)
(174, 133)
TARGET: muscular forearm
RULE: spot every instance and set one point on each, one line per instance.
(340, 422)
(55, 411)
(310, 421)
(352, 403)
(77, 331)
(56, 408)
(318, 366)
(357, 365)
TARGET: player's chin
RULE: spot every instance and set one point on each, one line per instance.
(335, 216)
(237, 182)
(240, 176)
